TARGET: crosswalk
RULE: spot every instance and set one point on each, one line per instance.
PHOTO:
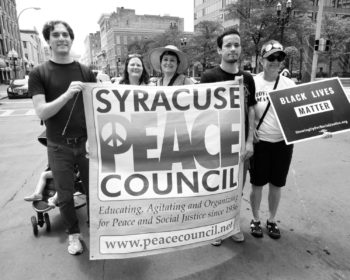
(16, 112)
(31, 112)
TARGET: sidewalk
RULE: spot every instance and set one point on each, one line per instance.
(313, 218)
(3, 93)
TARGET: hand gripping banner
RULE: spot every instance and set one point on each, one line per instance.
(165, 172)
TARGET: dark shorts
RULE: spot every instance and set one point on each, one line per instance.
(270, 163)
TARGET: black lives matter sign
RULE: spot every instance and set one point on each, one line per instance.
(307, 111)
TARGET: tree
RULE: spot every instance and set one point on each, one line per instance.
(202, 46)
(170, 37)
(336, 29)
(259, 23)
(141, 46)
(144, 46)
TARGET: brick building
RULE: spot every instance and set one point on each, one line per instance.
(32, 49)
(213, 10)
(92, 46)
(122, 27)
(10, 42)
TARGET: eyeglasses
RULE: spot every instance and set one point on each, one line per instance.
(134, 55)
(272, 58)
(271, 46)
(58, 34)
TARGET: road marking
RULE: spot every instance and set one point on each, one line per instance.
(31, 112)
(17, 113)
(6, 113)
(16, 102)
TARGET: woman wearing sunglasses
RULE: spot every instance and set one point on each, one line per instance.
(135, 72)
(172, 63)
(272, 157)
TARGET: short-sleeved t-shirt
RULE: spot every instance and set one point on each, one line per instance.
(52, 81)
(269, 129)
(218, 75)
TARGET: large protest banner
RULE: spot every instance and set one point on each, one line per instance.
(307, 111)
(164, 166)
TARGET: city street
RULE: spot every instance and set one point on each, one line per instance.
(313, 218)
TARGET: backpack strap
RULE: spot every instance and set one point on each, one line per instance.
(172, 81)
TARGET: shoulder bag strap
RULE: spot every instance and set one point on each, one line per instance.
(172, 81)
(268, 105)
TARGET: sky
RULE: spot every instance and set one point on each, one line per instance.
(82, 15)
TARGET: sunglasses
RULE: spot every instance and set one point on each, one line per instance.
(271, 46)
(134, 55)
(272, 58)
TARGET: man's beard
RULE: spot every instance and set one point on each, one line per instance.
(232, 60)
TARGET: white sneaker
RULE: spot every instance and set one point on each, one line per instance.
(217, 242)
(238, 237)
(74, 247)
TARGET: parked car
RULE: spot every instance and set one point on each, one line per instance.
(18, 88)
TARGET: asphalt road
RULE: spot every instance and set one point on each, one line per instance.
(313, 218)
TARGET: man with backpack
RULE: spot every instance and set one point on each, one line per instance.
(56, 88)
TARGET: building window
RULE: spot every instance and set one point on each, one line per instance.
(228, 2)
(198, 2)
(24, 44)
(2, 50)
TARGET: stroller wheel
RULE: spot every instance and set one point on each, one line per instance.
(34, 225)
(47, 222)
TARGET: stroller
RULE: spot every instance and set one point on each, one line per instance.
(42, 207)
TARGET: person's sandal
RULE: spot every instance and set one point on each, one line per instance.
(273, 230)
(255, 229)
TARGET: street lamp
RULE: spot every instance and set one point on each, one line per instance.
(117, 61)
(183, 43)
(34, 8)
(13, 55)
(283, 15)
(19, 14)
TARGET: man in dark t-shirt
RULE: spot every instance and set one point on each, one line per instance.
(229, 48)
(217, 74)
(56, 88)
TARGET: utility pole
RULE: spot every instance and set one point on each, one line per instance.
(317, 37)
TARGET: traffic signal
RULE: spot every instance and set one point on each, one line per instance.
(317, 45)
(328, 46)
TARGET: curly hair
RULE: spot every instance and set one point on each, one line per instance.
(144, 76)
(50, 26)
